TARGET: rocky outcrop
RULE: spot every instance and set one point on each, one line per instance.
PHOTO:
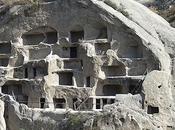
(165, 8)
(86, 65)
(2, 121)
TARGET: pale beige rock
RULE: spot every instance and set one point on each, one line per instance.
(2, 121)
(86, 64)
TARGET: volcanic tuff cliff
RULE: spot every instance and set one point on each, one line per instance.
(165, 8)
(85, 65)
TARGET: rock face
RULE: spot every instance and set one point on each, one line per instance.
(165, 8)
(86, 65)
(2, 121)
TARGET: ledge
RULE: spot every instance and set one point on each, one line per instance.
(105, 40)
(101, 97)
(73, 87)
(67, 70)
(140, 77)
(71, 59)
(5, 55)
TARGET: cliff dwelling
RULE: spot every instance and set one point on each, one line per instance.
(74, 66)
(64, 57)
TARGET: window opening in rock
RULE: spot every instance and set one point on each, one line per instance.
(152, 110)
(75, 103)
(114, 70)
(4, 62)
(22, 99)
(98, 104)
(112, 90)
(33, 39)
(26, 72)
(112, 101)
(101, 48)
(34, 72)
(59, 102)
(42, 102)
(16, 91)
(76, 36)
(135, 86)
(65, 78)
(12, 89)
(103, 33)
(133, 51)
(73, 52)
(5, 89)
(51, 37)
(88, 81)
(5, 48)
(82, 63)
(3, 12)
(105, 101)
(43, 34)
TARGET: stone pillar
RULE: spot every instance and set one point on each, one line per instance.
(94, 104)
(2, 120)
(127, 69)
(101, 103)
(74, 82)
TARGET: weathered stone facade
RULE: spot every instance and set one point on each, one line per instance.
(73, 57)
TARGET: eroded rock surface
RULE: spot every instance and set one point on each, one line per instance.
(2, 120)
(165, 8)
(86, 65)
